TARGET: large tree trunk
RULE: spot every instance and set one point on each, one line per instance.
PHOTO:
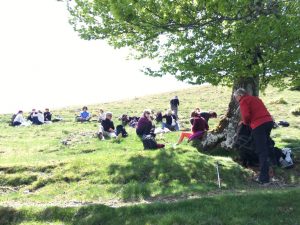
(223, 135)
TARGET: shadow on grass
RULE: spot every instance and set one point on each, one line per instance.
(292, 143)
(226, 209)
(170, 173)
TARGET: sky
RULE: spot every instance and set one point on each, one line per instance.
(44, 63)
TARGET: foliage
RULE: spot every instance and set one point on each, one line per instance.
(200, 41)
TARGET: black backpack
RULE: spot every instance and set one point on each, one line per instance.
(149, 142)
(121, 130)
(243, 143)
(12, 120)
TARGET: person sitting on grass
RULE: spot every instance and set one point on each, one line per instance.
(31, 115)
(107, 128)
(199, 127)
(101, 115)
(19, 119)
(47, 115)
(84, 115)
(145, 131)
(38, 118)
(170, 121)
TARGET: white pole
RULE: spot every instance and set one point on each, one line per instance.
(218, 174)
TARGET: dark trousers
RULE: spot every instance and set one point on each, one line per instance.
(16, 123)
(261, 136)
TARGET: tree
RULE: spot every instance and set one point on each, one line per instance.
(242, 43)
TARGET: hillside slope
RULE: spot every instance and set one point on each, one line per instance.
(37, 169)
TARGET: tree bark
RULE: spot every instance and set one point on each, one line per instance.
(223, 135)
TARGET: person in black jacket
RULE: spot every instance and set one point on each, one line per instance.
(47, 115)
(170, 121)
(107, 128)
(174, 105)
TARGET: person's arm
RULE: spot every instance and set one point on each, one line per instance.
(245, 112)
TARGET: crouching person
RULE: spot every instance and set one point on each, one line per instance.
(107, 128)
(143, 130)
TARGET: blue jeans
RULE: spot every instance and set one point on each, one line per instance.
(170, 127)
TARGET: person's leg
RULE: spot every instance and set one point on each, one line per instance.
(176, 127)
(16, 123)
(112, 134)
(183, 135)
(195, 135)
(176, 112)
(261, 136)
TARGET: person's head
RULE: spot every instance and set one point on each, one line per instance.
(212, 114)
(147, 113)
(194, 113)
(84, 108)
(39, 111)
(197, 110)
(101, 111)
(108, 115)
(239, 93)
(176, 97)
(46, 110)
(169, 112)
(20, 112)
(33, 110)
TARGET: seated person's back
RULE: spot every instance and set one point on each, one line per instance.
(144, 125)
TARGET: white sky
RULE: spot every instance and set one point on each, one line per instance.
(43, 62)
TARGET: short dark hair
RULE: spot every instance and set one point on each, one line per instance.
(84, 108)
(213, 114)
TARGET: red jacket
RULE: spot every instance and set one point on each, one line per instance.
(254, 112)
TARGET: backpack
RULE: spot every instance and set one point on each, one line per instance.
(12, 120)
(121, 130)
(149, 142)
(244, 145)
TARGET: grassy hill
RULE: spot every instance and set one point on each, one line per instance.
(37, 171)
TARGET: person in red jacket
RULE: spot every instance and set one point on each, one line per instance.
(255, 114)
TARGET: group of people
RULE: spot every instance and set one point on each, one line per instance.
(36, 117)
(253, 112)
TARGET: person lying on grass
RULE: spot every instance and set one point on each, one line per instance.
(199, 127)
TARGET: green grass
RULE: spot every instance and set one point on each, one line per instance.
(261, 208)
(36, 168)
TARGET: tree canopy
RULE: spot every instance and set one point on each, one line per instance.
(215, 41)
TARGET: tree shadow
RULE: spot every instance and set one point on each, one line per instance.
(138, 176)
(169, 173)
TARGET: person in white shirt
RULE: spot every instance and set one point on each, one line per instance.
(41, 117)
(19, 119)
(102, 115)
